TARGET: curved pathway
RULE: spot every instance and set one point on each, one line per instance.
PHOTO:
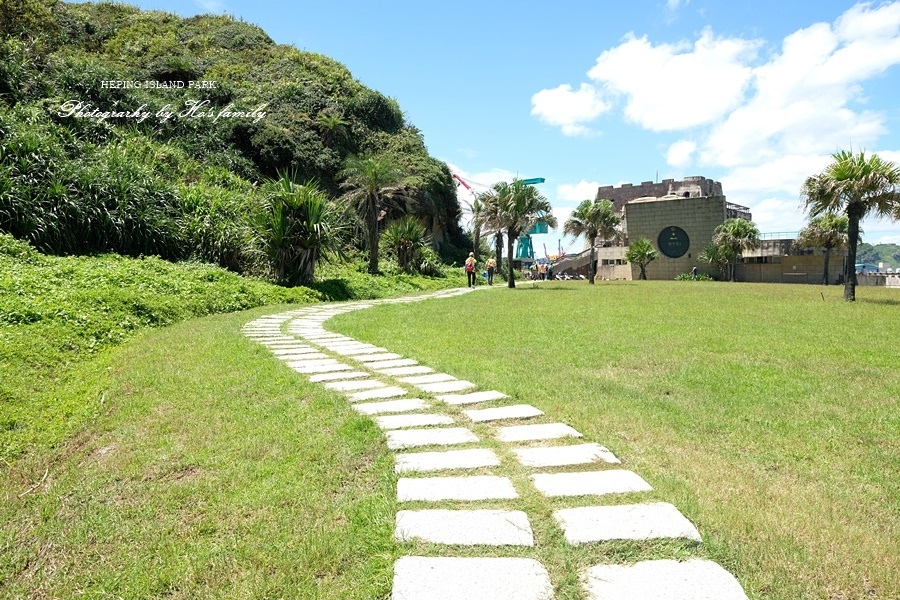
(428, 419)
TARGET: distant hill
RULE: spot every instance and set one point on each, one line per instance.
(142, 132)
(889, 254)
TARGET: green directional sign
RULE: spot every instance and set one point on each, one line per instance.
(533, 180)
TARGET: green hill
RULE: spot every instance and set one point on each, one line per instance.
(889, 254)
(141, 132)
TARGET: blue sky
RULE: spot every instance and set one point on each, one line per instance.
(756, 94)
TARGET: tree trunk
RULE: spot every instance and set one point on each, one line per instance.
(643, 275)
(498, 246)
(476, 241)
(854, 212)
(827, 258)
(373, 236)
(593, 267)
(509, 251)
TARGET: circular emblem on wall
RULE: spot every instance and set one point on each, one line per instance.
(673, 242)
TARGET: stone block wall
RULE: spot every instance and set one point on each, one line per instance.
(698, 217)
(692, 187)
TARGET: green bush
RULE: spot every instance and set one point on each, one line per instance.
(687, 277)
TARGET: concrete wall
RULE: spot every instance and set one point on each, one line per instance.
(693, 186)
(698, 217)
(791, 269)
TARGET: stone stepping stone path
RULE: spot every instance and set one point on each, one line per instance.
(378, 383)
(465, 527)
(689, 580)
(559, 456)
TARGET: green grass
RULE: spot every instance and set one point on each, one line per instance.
(768, 415)
(57, 312)
(213, 471)
(209, 469)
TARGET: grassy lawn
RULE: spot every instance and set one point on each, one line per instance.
(765, 414)
(768, 415)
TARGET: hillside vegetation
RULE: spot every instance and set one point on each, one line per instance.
(144, 133)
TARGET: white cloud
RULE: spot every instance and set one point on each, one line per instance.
(673, 5)
(680, 154)
(569, 109)
(577, 192)
(671, 87)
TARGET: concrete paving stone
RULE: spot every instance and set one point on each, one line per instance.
(448, 459)
(339, 376)
(524, 433)
(385, 392)
(295, 349)
(356, 350)
(557, 456)
(313, 369)
(410, 438)
(262, 338)
(517, 411)
(387, 364)
(591, 483)
(309, 358)
(403, 421)
(475, 487)
(588, 524)
(392, 406)
(312, 361)
(416, 370)
(442, 578)
(433, 378)
(446, 386)
(367, 358)
(694, 579)
(355, 384)
(472, 398)
(465, 527)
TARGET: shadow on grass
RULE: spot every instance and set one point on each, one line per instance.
(882, 301)
(333, 289)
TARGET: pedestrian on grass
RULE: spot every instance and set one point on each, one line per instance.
(470, 270)
(491, 267)
(694, 273)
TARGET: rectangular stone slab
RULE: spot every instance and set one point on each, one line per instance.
(517, 411)
(445, 386)
(385, 392)
(524, 433)
(307, 358)
(298, 350)
(322, 359)
(403, 421)
(410, 438)
(441, 578)
(367, 358)
(387, 364)
(625, 522)
(476, 487)
(392, 406)
(694, 579)
(448, 459)
(358, 384)
(590, 483)
(465, 527)
(339, 376)
(557, 456)
(416, 370)
(472, 398)
(433, 378)
(309, 369)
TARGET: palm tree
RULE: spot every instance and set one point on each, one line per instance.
(736, 235)
(297, 227)
(641, 252)
(406, 237)
(332, 127)
(827, 231)
(371, 182)
(856, 185)
(718, 256)
(489, 219)
(519, 208)
(593, 219)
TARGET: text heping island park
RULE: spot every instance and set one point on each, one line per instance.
(191, 109)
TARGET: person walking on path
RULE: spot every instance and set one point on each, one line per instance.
(491, 267)
(694, 273)
(470, 270)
